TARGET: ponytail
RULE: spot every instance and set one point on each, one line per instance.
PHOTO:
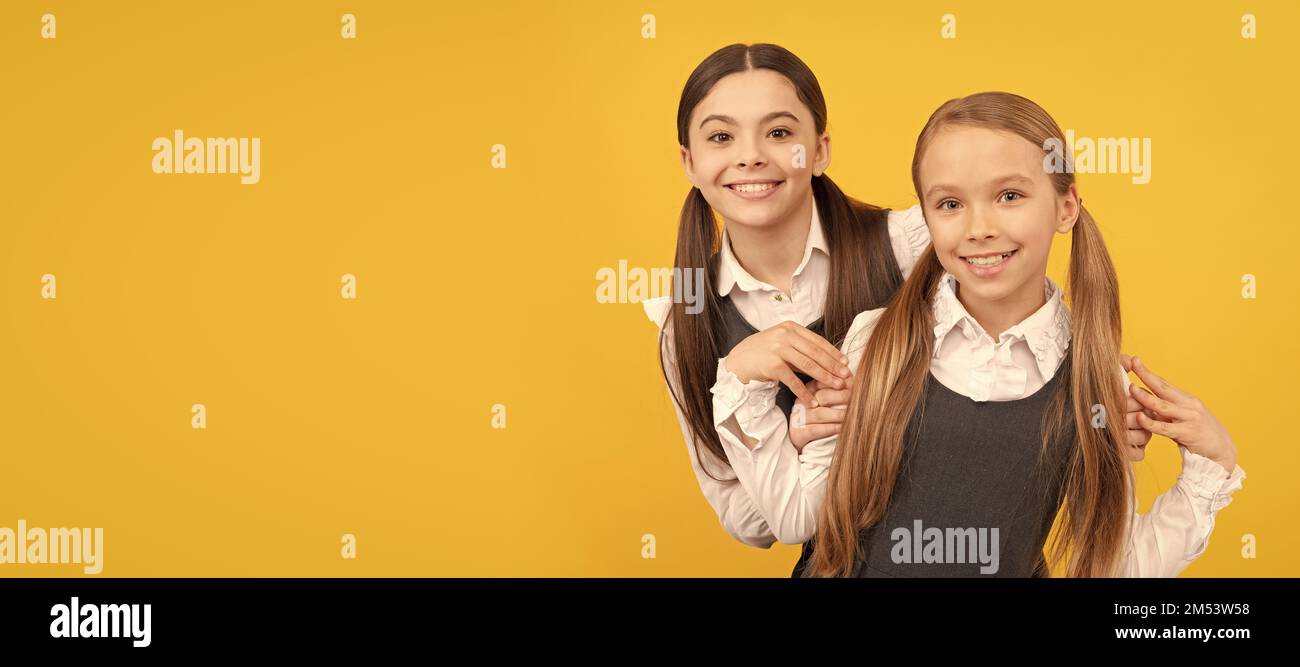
(694, 335)
(1096, 487)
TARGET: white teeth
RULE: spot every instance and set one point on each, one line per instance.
(753, 187)
(992, 260)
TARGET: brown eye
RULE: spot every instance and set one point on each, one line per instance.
(719, 137)
(783, 133)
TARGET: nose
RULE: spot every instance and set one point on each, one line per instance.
(979, 226)
(749, 155)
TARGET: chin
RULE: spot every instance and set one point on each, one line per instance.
(981, 288)
(977, 287)
(990, 289)
(752, 218)
(754, 215)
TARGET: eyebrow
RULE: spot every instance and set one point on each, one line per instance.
(765, 119)
(1014, 178)
(1000, 181)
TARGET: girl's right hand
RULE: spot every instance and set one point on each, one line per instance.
(776, 353)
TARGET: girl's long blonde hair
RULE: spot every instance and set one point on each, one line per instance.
(895, 369)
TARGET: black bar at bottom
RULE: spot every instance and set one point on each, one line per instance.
(196, 616)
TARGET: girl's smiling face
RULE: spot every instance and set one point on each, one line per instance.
(742, 154)
(992, 210)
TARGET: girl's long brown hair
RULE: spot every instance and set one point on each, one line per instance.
(894, 370)
(864, 274)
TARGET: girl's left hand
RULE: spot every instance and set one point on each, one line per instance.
(1182, 418)
(808, 423)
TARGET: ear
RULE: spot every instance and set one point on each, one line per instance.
(822, 156)
(688, 165)
(1068, 208)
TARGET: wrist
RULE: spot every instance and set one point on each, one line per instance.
(735, 370)
(1228, 462)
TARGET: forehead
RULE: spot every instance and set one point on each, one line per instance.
(966, 154)
(748, 96)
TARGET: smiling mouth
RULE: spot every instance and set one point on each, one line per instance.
(753, 188)
(990, 260)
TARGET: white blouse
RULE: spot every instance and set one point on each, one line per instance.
(758, 302)
(765, 306)
(788, 486)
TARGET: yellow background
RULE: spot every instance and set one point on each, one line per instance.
(476, 285)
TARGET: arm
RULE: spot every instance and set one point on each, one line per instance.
(736, 512)
(786, 485)
(1176, 531)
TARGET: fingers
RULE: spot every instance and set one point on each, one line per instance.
(1175, 432)
(785, 376)
(816, 423)
(819, 431)
(1138, 437)
(1126, 361)
(819, 415)
(819, 349)
(1161, 408)
(1159, 385)
(1131, 419)
(826, 346)
(825, 415)
(833, 396)
(814, 386)
(795, 358)
(800, 349)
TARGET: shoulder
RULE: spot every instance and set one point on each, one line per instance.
(908, 235)
(657, 309)
(909, 222)
(859, 333)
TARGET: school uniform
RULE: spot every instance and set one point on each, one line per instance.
(751, 305)
(977, 460)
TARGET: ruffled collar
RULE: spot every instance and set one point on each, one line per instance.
(1046, 330)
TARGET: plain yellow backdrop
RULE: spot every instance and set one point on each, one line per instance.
(476, 285)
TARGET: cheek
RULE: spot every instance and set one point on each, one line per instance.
(1034, 227)
(797, 182)
(708, 166)
(785, 158)
(945, 238)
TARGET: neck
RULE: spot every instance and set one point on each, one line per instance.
(771, 253)
(997, 315)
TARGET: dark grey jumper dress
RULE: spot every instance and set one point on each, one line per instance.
(736, 328)
(971, 465)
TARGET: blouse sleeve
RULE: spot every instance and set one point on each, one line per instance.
(736, 512)
(1176, 531)
(786, 484)
(909, 236)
